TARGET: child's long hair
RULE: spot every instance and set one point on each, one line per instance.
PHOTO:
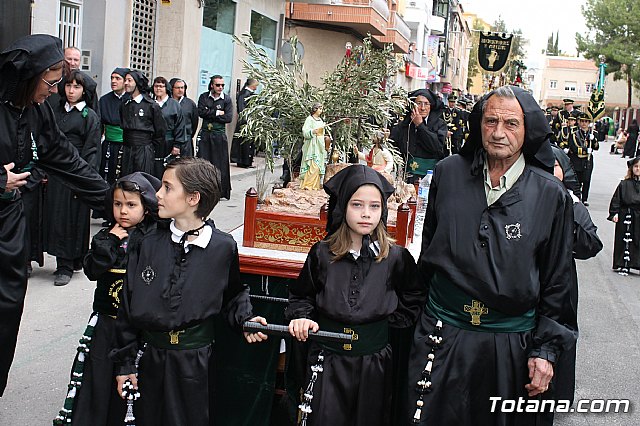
(340, 241)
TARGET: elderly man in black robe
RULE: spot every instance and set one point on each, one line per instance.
(189, 110)
(30, 70)
(496, 257)
(421, 135)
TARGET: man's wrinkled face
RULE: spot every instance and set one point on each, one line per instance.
(129, 84)
(423, 105)
(502, 128)
(117, 82)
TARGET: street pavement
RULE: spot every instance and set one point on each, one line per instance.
(609, 314)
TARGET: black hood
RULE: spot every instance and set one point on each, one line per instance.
(122, 72)
(172, 82)
(436, 104)
(536, 149)
(142, 82)
(26, 58)
(569, 180)
(344, 184)
(148, 186)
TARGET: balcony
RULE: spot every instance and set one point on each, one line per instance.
(363, 16)
(436, 25)
(398, 34)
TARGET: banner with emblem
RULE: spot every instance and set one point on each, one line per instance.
(493, 51)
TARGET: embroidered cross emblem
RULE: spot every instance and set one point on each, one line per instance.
(414, 166)
(347, 346)
(476, 310)
(173, 336)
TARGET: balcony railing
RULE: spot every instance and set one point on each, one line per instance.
(398, 34)
(364, 16)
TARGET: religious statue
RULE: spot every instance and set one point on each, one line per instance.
(379, 158)
(314, 153)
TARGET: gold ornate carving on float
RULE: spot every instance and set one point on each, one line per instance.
(286, 236)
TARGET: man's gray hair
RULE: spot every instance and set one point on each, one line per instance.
(501, 92)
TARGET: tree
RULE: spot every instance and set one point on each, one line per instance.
(615, 33)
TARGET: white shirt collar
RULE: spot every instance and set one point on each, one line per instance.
(214, 98)
(162, 102)
(138, 98)
(120, 95)
(201, 240)
(179, 100)
(375, 248)
(79, 106)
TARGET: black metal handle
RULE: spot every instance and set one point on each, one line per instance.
(283, 330)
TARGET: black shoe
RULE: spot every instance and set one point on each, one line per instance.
(29, 270)
(585, 204)
(61, 279)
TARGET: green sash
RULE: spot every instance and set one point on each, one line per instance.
(367, 338)
(420, 166)
(213, 127)
(194, 337)
(113, 133)
(454, 307)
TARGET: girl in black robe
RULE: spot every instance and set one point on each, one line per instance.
(624, 210)
(29, 71)
(67, 219)
(179, 278)
(132, 207)
(357, 281)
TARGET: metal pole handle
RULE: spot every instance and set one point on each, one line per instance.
(283, 330)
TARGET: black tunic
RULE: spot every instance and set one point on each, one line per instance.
(511, 273)
(176, 136)
(213, 144)
(97, 402)
(355, 390)
(191, 119)
(67, 219)
(626, 204)
(175, 384)
(112, 151)
(20, 130)
(144, 132)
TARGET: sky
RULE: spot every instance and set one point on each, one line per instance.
(537, 19)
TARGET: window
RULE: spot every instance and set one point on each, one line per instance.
(263, 30)
(219, 15)
(440, 8)
(69, 23)
(570, 86)
(553, 84)
(589, 87)
(142, 35)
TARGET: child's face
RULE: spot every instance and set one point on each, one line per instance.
(173, 201)
(364, 210)
(128, 209)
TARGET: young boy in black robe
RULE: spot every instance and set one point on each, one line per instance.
(67, 219)
(179, 278)
(354, 281)
(92, 399)
(142, 123)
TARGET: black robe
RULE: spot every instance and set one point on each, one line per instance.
(176, 136)
(25, 135)
(631, 145)
(242, 151)
(355, 390)
(502, 256)
(66, 218)
(191, 119)
(144, 132)
(175, 384)
(213, 144)
(626, 204)
(112, 151)
(97, 402)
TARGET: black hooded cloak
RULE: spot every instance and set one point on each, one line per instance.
(190, 112)
(144, 130)
(112, 148)
(424, 142)
(626, 204)
(512, 260)
(354, 390)
(30, 135)
(96, 401)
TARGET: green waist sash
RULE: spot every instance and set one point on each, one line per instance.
(194, 337)
(420, 166)
(454, 307)
(367, 338)
(9, 196)
(213, 126)
(113, 133)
